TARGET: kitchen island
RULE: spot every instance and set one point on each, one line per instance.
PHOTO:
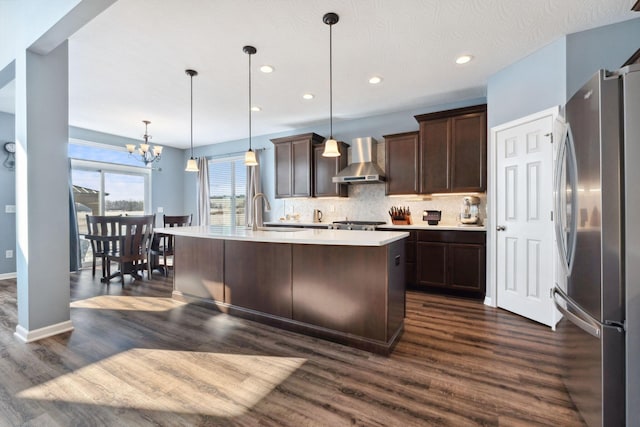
(341, 285)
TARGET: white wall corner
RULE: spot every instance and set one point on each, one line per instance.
(37, 334)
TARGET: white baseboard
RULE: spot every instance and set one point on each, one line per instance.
(8, 275)
(30, 336)
(488, 301)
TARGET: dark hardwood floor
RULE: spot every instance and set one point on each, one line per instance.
(137, 357)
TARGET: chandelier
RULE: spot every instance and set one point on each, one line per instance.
(145, 153)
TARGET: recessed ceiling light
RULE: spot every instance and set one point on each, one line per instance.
(375, 80)
(266, 69)
(256, 108)
(308, 96)
(463, 59)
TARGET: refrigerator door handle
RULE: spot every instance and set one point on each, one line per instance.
(581, 318)
(566, 157)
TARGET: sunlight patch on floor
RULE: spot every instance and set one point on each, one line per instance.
(216, 384)
(125, 302)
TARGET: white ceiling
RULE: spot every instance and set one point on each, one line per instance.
(128, 64)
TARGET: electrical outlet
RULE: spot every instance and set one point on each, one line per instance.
(160, 210)
(8, 253)
(10, 209)
(332, 208)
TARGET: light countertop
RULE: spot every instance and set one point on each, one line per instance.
(420, 225)
(425, 226)
(303, 236)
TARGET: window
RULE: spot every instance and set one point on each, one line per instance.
(227, 191)
(105, 183)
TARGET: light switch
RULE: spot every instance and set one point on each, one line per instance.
(10, 209)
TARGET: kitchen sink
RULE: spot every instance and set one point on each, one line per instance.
(281, 229)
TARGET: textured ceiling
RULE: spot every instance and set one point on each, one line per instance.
(128, 64)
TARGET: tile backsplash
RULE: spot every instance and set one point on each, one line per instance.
(368, 202)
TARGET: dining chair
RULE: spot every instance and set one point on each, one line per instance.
(132, 250)
(163, 246)
(100, 228)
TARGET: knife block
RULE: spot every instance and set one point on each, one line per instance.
(401, 220)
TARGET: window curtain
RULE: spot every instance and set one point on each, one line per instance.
(75, 261)
(203, 192)
(254, 186)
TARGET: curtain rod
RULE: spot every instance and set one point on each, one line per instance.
(235, 154)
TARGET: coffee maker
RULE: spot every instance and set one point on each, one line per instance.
(470, 210)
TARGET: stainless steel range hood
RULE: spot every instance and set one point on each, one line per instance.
(363, 168)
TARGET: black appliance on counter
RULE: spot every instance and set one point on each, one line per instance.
(355, 225)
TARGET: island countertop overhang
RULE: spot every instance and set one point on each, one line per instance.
(299, 236)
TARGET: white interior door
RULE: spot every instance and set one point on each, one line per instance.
(525, 243)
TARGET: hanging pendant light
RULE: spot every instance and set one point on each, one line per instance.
(192, 164)
(250, 156)
(330, 145)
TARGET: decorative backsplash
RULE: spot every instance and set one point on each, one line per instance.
(368, 202)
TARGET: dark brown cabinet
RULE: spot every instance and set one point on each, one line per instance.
(402, 163)
(410, 275)
(453, 150)
(451, 262)
(301, 171)
(293, 164)
(325, 168)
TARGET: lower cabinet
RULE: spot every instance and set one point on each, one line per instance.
(452, 262)
(257, 276)
(410, 274)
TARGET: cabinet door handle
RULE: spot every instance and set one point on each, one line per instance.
(501, 228)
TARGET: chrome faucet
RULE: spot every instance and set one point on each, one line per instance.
(255, 210)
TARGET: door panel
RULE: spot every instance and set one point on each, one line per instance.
(434, 156)
(432, 264)
(524, 207)
(468, 151)
(301, 154)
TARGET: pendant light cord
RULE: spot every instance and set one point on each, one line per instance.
(330, 82)
(249, 102)
(191, 116)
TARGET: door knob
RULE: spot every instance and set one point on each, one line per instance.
(501, 228)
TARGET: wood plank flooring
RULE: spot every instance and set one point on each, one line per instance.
(138, 358)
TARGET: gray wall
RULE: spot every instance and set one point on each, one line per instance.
(7, 197)
(534, 83)
(344, 130)
(606, 47)
(549, 76)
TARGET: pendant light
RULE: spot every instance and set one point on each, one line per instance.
(250, 156)
(192, 164)
(330, 145)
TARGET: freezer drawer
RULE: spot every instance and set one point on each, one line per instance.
(593, 365)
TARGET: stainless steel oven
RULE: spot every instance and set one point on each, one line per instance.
(355, 225)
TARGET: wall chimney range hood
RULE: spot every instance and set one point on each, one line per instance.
(363, 168)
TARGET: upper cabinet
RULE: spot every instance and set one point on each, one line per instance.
(300, 169)
(453, 150)
(402, 167)
(325, 168)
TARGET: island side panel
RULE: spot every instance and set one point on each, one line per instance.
(258, 276)
(199, 267)
(396, 299)
(343, 288)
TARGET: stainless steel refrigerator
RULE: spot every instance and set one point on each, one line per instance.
(597, 209)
